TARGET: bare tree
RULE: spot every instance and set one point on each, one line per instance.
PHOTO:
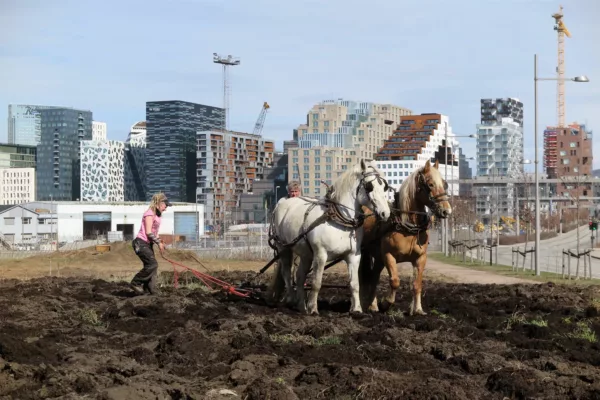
(575, 187)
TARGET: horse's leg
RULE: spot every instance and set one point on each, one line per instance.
(369, 272)
(390, 264)
(353, 261)
(301, 273)
(418, 267)
(286, 272)
(318, 266)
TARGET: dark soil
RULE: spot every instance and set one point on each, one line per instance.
(74, 338)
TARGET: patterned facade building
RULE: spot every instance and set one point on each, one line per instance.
(102, 170)
(58, 153)
(228, 164)
(171, 139)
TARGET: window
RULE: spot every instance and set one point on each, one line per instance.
(573, 144)
(9, 221)
(26, 220)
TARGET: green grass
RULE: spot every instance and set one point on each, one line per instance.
(506, 270)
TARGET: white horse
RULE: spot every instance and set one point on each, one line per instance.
(323, 230)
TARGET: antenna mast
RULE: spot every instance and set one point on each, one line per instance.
(226, 62)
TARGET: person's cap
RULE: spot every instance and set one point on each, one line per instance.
(167, 202)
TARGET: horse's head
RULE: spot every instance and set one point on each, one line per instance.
(375, 188)
(431, 190)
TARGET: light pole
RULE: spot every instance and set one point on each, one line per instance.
(581, 78)
(454, 177)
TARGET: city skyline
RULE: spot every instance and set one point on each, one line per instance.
(454, 86)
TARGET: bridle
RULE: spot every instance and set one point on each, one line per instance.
(369, 187)
(433, 200)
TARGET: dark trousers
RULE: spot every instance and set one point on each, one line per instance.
(148, 275)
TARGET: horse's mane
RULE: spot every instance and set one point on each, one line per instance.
(408, 191)
(348, 180)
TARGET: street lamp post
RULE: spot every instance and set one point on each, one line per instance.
(581, 78)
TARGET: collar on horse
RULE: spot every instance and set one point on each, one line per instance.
(424, 218)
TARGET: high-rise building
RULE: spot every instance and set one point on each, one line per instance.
(135, 163)
(98, 130)
(499, 154)
(17, 156)
(102, 170)
(464, 172)
(171, 140)
(418, 139)
(228, 164)
(25, 124)
(338, 133)
(256, 205)
(58, 154)
(568, 152)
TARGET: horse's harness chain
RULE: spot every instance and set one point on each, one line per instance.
(415, 229)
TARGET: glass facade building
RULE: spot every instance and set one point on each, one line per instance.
(58, 154)
(25, 124)
(171, 141)
(17, 156)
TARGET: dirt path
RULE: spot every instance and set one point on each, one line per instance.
(468, 275)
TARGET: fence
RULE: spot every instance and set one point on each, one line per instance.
(250, 248)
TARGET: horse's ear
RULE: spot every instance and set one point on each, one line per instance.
(427, 167)
(363, 165)
(437, 164)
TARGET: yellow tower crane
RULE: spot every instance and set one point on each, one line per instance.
(562, 30)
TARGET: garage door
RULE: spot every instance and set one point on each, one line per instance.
(185, 224)
(96, 216)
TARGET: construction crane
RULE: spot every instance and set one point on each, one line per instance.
(226, 62)
(562, 30)
(260, 122)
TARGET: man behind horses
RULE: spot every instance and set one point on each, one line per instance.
(293, 189)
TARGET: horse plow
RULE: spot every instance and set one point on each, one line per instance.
(245, 290)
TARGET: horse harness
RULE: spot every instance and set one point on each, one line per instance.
(331, 213)
(424, 218)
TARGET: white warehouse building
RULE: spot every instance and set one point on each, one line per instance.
(77, 221)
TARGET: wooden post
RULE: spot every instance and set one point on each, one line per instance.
(563, 263)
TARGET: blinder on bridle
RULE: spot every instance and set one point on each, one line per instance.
(437, 199)
(369, 187)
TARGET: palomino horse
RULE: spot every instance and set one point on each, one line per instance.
(320, 230)
(404, 237)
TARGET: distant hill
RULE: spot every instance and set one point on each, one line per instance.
(596, 172)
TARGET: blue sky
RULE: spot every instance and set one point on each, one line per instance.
(428, 55)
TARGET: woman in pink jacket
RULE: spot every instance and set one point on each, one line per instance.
(143, 245)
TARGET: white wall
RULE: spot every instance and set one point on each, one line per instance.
(70, 217)
(39, 226)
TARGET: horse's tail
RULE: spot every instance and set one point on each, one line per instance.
(276, 285)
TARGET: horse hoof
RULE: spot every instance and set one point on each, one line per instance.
(386, 306)
(418, 312)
